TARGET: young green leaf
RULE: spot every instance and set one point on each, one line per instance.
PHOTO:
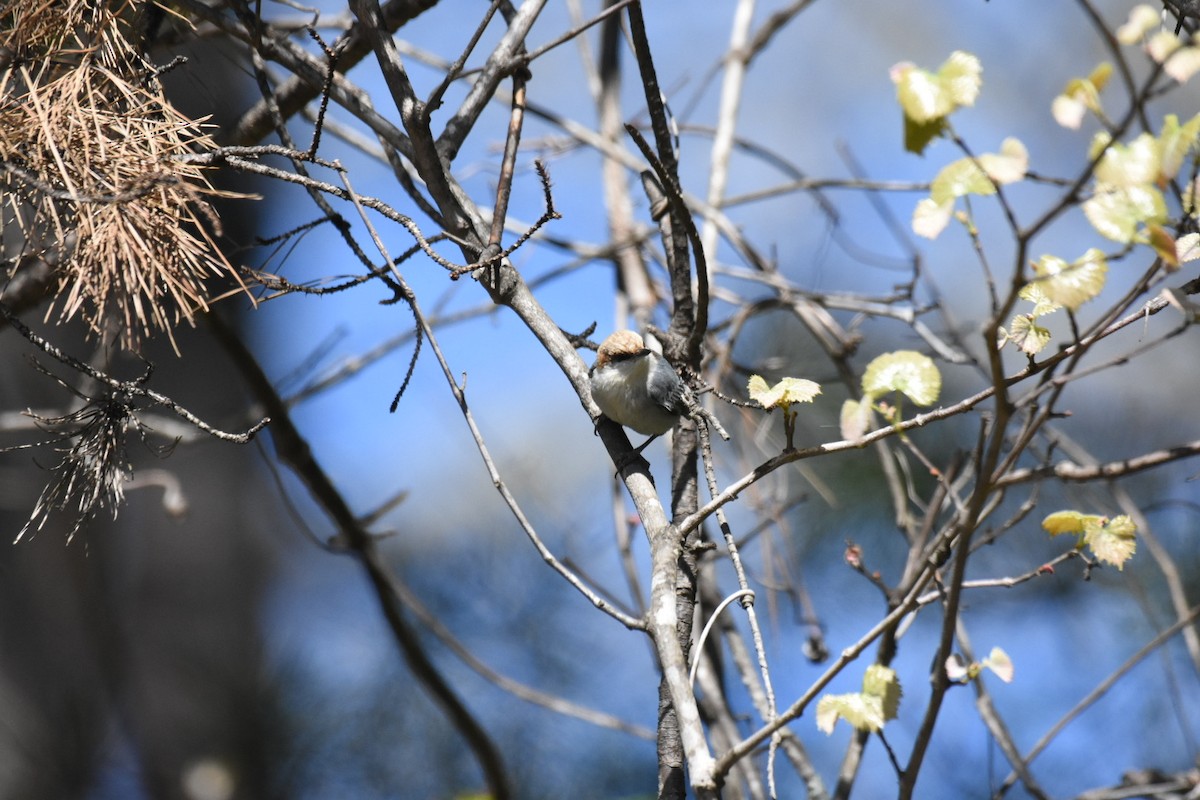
(1000, 664)
(1042, 305)
(927, 98)
(1175, 142)
(1112, 540)
(868, 710)
(1134, 164)
(1187, 248)
(968, 176)
(1164, 245)
(906, 371)
(1009, 165)
(1027, 335)
(1178, 60)
(1073, 284)
(855, 419)
(1081, 95)
(1116, 213)
(784, 393)
(1067, 522)
(1142, 19)
(930, 217)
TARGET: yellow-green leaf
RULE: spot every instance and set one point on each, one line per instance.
(930, 218)
(1026, 334)
(1175, 141)
(1080, 95)
(1112, 540)
(1073, 284)
(925, 96)
(1183, 64)
(906, 371)
(959, 178)
(1162, 45)
(980, 176)
(1042, 304)
(968, 176)
(1135, 164)
(784, 393)
(1116, 213)
(1000, 664)
(868, 710)
(1187, 248)
(880, 681)
(1066, 522)
(855, 419)
(1142, 19)
(1009, 165)
(864, 713)
(1164, 245)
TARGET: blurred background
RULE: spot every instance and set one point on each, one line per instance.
(221, 653)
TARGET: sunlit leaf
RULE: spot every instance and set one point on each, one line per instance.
(968, 176)
(1183, 64)
(931, 218)
(1180, 61)
(1175, 142)
(854, 419)
(1113, 541)
(1134, 164)
(1187, 248)
(925, 96)
(1028, 335)
(1007, 166)
(959, 178)
(880, 681)
(862, 712)
(1100, 76)
(1000, 664)
(980, 176)
(906, 371)
(867, 710)
(1042, 304)
(1164, 245)
(1068, 110)
(1073, 284)
(1190, 193)
(1066, 522)
(1162, 45)
(1081, 95)
(784, 393)
(1116, 213)
(1142, 19)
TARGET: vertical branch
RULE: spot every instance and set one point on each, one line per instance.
(731, 98)
(508, 164)
(633, 278)
(683, 315)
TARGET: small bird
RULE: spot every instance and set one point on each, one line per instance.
(636, 387)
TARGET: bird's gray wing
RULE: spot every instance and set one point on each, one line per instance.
(669, 386)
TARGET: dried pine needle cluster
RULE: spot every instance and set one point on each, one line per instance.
(94, 466)
(90, 173)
